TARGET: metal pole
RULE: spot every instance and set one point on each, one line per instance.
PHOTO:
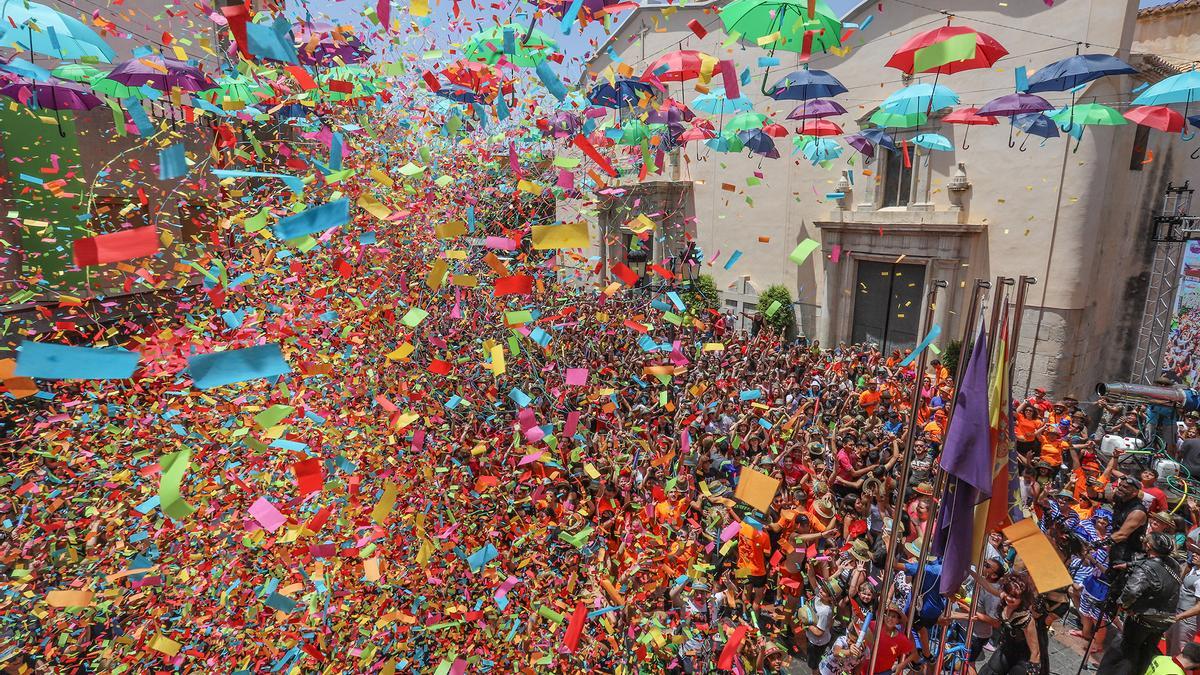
(939, 474)
(888, 574)
(1010, 357)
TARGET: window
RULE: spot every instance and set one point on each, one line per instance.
(887, 306)
(897, 179)
(1141, 141)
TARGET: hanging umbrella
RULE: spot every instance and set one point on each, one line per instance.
(861, 143)
(113, 89)
(968, 117)
(919, 98)
(758, 143)
(758, 19)
(803, 85)
(775, 130)
(322, 44)
(588, 10)
(1156, 117)
(161, 73)
(726, 142)
(681, 66)
(56, 95)
(819, 128)
(1088, 114)
(880, 137)
(1035, 124)
(1182, 88)
(43, 30)
(621, 93)
(818, 107)
(19, 66)
(633, 132)
(517, 45)
(933, 142)
(817, 150)
(883, 118)
(945, 50)
(458, 93)
(696, 133)
(77, 72)
(1075, 70)
(239, 88)
(670, 112)
(716, 103)
(747, 120)
(1011, 105)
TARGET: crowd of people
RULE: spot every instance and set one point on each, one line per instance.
(506, 512)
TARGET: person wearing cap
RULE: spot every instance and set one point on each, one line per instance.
(1129, 521)
(932, 602)
(896, 649)
(1053, 447)
(1039, 400)
(1151, 588)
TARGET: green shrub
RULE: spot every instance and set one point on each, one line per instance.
(950, 356)
(701, 297)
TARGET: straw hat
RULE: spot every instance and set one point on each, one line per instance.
(824, 508)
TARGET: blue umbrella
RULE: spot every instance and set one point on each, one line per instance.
(759, 143)
(1181, 88)
(716, 103)
(1035, 124)
(821, 149)
(457, 92)
(726, 143)
(803, 85)
(933, 142)
(919, 98)
(1075, 70)
(39, 28)
(880, 137)
(19, 66)
(623, 92)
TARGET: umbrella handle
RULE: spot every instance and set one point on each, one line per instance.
(965, 132)
(1196, 153)
(767, 73)
(1011, 142)
(1023, 142)
(1185, 135)
(1077, 144)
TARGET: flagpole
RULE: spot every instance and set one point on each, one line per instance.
(965, 346)
(889, 574)
(998, 301)
(1019, 310)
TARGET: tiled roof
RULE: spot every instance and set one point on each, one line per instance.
(1169, 8)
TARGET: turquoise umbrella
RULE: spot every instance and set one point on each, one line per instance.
(728, 142)
(1181, 88)
(716, 103)
(41, 29)
(919, 98)
(933, 142)
(819, 150)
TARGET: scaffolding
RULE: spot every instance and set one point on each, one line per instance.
(1173, 227)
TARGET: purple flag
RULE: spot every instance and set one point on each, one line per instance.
(967, 460)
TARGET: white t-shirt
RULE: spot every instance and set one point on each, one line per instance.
(824, 620)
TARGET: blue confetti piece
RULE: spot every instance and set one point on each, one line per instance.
(51, 361)
(313, 220)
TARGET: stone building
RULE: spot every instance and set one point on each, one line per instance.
(1076, 216)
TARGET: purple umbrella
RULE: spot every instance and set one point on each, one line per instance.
(162, 74)
(320, 44)
(1011, 105)
(562, 124)
(588, 9)
(54, 94)
(816, 108)
(861, 143)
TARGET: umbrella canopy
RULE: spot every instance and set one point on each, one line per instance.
(634, 132)
(919, 98)
(716, 103)
(43, 30)
(933, 142)
(621, 93)
(51, 95)
(949, 49)
(696, 133)
(19, 66)
(883, 118)
(240, 88)
(818, 107)
(1181, 88)
(1014, 104)
(453, 92)
(114, 89)
(817, 150)
(726, 142)
(758, 143)
(746, 120)
(588, 10)
(1075, 70)
(562, 124)
(879, 137)
(518, 45)
(819, 128)
(861, 143)
(775, 130)
(969, 116)
(161, 73)
(1156, 117)
(803, 85)
(681, 66)
(1088, 114)
(77, 72)
(787, 20)
(1036, 124)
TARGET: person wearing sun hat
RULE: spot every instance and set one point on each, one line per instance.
(929, 596)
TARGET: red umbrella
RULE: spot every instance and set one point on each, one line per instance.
(680, 66)
(477, 77)
(968, 116)
(1156, 117)
(697, 134)
(817, 127)
(775, 130)
(987, 51)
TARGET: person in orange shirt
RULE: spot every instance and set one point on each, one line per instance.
(870, 398)
(753, 546)
(936, 426)
(1053, 447)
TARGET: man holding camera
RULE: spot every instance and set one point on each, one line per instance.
(1150, 593)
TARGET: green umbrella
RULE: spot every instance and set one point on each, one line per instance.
(756, 19)
(113, 89)
(1088, 114)
(238, 88)
(883, 118)
(746, 121)
(634, 132)
(77, 72)
(489, 45)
